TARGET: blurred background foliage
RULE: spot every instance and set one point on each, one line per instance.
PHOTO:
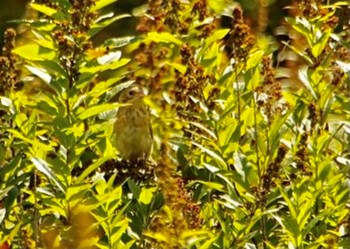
(16, 9)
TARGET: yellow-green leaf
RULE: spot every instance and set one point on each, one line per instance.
(146, 195)
(97, 109)
(163, 37)
(100, 4)
(34, 52)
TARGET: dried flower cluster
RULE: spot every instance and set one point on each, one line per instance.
(269, 99)
(149, 58)
(315, 9)
(188, 88)
(239, 41)
(8, 72)
(70, 38)
(302, 155)
(173, 199)
(272, 174)
(162, 16)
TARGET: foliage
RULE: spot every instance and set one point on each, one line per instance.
(245, 154)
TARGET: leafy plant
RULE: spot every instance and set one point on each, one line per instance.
(243, 157)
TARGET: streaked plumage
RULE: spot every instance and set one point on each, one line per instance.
(133, 126)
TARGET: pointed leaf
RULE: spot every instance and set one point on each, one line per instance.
(44, 168)
(95, 110)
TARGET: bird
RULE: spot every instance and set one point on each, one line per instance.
(134, 137)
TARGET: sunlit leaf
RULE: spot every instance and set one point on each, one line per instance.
(217, 35)
(321, 43)
(118, 42)
(219, 5)
(221, 162)
(100, 4)
(97, 27)
(2, 214)
(109, 66)
(35, 143)
(41, 73)
(163, 37)
(208, 243)
(34, 52)
(179, 67)
(146, 195)
(43, 9)
(110, 57)
(156, 236)
(343, 65)
(211, 185)
(95, 110)
(121, 226)
(44, 168)
(304, 77)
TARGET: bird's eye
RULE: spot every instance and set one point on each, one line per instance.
(131, 93)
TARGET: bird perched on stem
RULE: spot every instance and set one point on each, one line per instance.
(133, 126)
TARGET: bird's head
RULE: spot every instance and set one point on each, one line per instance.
(131, 94)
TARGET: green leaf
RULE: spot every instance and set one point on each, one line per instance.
(292, 228)
(95, 110)
(15, 230)
(300, 53)
(163, 38)
(217, 35)
(254, 59)
(41, 73)
(44, 168)
(179, 67)
(219, 5)
(344, 66)
(291, 206)
(7, 104)
(220, 161)
(211, 185)
(146, 195)
(101, 4)
(109, 66)
(12, 194)
(76, 192)
(159, 237)
(324, 169)
(45, 107)
(2, 214)
(103, 86)
(204, 128)
(35, 143)
(35, 52)
(227, 132)
(43, 9)
(91, 168)
(118, 42)
(135, 190)
(51, 67)
(318, 47)
(208, 243)
(127, 245)
(315, 220)
(304, 77)
(303, 26)
(97, 27)
(58, 15)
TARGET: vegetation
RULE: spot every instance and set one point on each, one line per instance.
(251, 131)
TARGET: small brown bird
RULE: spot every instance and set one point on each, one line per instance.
(133, 126)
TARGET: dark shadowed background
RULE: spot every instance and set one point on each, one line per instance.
(11, 10)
